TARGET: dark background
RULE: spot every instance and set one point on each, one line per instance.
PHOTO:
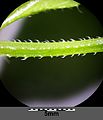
(6, 7)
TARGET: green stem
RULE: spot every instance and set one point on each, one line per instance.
(41, 49)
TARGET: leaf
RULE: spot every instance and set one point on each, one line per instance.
(35, 6)
(32, 49)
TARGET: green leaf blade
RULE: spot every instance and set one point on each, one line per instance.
(35, 6)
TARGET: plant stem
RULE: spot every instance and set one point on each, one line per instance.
(41, 49)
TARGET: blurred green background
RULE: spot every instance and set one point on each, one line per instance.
(55, 78)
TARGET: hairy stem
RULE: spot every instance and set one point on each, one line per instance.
(41, 49)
